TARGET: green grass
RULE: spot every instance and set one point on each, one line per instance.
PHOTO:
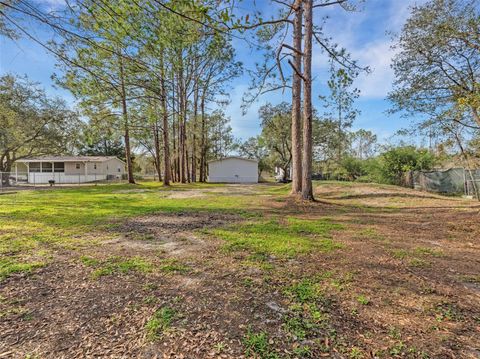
(290, 237)
(117, 265)
(257, 345)
(75, 218)
(10, 265)
(417, 257)
(363, 300)
(173, 266)
(304, 291)
(160, 322)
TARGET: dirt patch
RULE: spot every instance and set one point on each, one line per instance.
(62, 311)
(186, 194)
(173, 233)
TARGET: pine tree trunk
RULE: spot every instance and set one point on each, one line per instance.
(307, 190)
(126, 126)
(296, 101)
(156, 139)
(166, 143)
(203, 151)
(194, 137)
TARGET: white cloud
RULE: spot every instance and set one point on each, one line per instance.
(374, 50)
(378, 56)
(248, 124)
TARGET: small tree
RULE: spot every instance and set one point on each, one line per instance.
(397, 161)
(32, 124)
(255, 148)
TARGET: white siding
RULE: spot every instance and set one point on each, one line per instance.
(111, 167)
(42, 178)
(71, 168)
(233, 170)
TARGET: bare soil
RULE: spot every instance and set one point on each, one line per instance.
(414, 256)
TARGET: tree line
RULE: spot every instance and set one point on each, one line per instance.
(158, 73)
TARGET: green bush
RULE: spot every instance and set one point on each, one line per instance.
(397, 161)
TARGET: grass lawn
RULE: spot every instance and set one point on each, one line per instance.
(204, 270)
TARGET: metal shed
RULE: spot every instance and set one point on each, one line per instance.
(233, 170)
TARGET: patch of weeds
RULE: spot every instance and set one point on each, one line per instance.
(307, 313)
(140, 236)
(27, 316)
(159, 322)
(394, 333)
(11, 265)
(417, 256)
(400, 253)
(258, 257)
(220, 347)
(371, 233)
(284, 238)
(304, 291)
(135, 264)
(397, 349)
(356, 353)
(115, 265)
(419, 263)
(173, 266)
(259, 260)
(13, 311)
(247, 282)
(425, 251)
(101, 272)
(363, 300)
(150, 286)
(256, 344)
(475, 279)
(303, 351)
(300, 323)
(446, 312)
(89, 261)
(150, 299)
(341, 282)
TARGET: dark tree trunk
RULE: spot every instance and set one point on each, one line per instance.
(166, 143)
(128, 154)
(194, 135)
(296, 101)
(203, 151)
(307, 190)
(157, 160)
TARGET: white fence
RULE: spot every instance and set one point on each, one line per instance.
(15, 179)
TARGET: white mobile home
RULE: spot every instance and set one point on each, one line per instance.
(233, 170)
(69, 169)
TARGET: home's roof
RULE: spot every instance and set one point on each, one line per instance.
(234, 157)
(68, 159)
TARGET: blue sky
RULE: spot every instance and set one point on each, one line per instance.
(366, 34)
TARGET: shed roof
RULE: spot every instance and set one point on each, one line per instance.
(234, 158)
(68, 159)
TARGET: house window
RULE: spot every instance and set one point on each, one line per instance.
(34, 166)
(59, 167)
(94, 166)
(119, 170)
(47, 167)
(77, 166)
